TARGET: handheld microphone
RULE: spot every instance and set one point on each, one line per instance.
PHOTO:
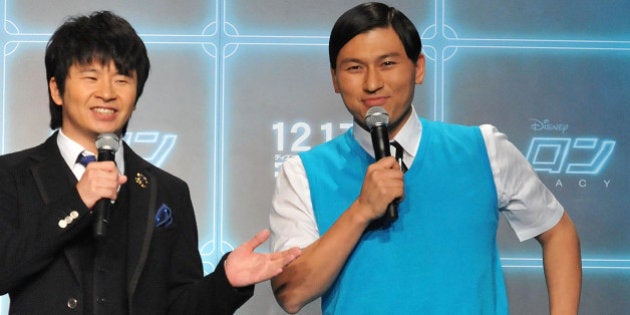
(107, 144)
(377, 119)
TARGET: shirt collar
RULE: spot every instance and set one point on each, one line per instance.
(408, 136)
(70, 150)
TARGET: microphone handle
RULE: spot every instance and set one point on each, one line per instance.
(101, 209)
(380, 142)
(392, 211)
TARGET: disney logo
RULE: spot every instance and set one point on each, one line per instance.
(546, 125)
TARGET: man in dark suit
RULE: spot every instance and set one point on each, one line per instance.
(148, 261)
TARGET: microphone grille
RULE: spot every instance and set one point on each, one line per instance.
(107, 141)
(376, 116)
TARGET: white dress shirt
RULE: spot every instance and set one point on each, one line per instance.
(530, 208)
(70, 150)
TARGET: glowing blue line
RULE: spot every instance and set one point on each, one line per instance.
(276, 44)
(540, 47)
(178, 43)
(3, 112)
(526, 40)
(279, 36)
(4, 101)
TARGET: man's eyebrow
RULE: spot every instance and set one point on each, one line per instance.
(381, 57)
(348, 60)
(86, 68)
(390, 55)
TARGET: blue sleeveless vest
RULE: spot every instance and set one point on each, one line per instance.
(440, 256)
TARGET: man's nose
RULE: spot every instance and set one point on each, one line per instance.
(373, 80)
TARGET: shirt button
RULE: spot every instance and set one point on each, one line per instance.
(72, 303)
(101, 300)
(62, 224)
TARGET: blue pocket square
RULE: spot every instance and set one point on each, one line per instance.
(163, 217)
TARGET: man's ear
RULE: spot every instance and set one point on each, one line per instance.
(420, 69)
(55, 94)
(333, 75)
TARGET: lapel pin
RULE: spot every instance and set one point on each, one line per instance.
(141, 180)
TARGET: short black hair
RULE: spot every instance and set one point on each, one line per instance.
(101, 37)
(367, 16)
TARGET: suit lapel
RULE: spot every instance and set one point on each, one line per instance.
(142, 186)
(52, 182)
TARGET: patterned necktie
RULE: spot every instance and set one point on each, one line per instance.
(86, 159)
(399, 155)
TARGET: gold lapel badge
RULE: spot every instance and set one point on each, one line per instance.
(141, 180)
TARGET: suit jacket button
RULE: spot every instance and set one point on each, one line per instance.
(62, 223)
(72, 303)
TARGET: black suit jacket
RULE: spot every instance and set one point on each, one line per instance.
(40, 269)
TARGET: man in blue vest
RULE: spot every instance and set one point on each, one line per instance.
(440, 256)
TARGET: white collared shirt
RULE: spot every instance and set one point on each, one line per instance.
(530, 208)
(70, 150)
